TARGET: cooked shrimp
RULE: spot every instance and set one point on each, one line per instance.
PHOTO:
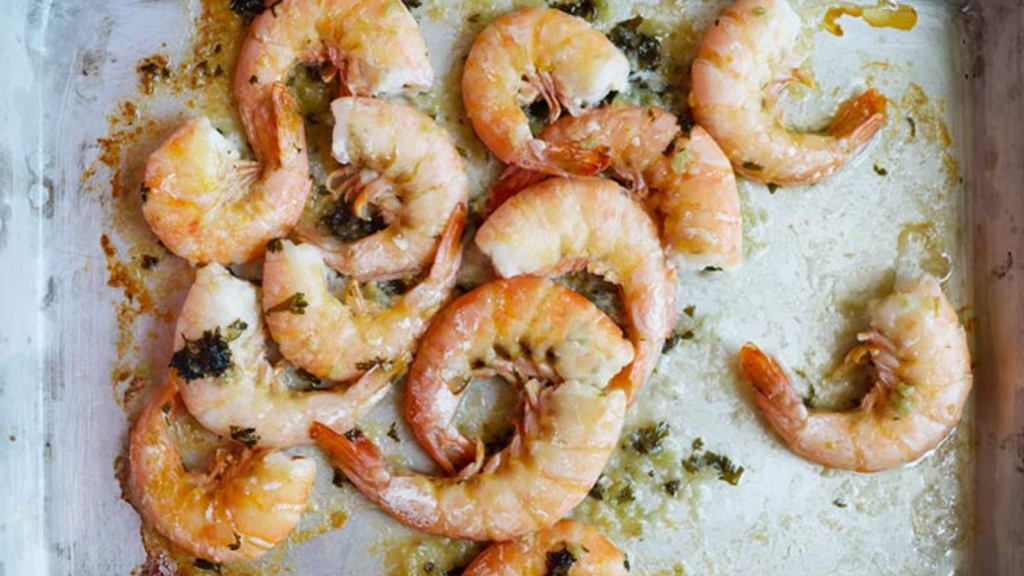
(231, 388)
(375, 46)
(241, 508)
(520, 328)
(564, 224)
(735, 83)
(685, 180)
(339, 339)
(922, 376)
(405, 165)
(568, 547)
(207, 205)
(538, 53)
(567, 433)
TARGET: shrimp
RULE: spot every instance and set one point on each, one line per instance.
(538, 53)
(918, 353)
(406, 165)
(207, 205)
(337, 339)
(568, 547)
(374, 45)
(229, 386)
(735, 84)
(241, 508)
(563, 224)
(517, 328)
(686, 180)
(567, 432)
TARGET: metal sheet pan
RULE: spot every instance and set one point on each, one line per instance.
(66, 64)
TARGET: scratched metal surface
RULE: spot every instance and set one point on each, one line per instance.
(61, 510)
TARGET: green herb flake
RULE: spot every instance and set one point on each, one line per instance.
(752, 166)
(144, 193)
(644, 50)
(585, 9)
(149, 262)
(206, 356)
(598, 491)
(247, 9)
(207, 565)
(393, 432)
(247, 436)
(428, 566)
(773, 187)
(366, 365)
(559, 562)
(275, 245)
(839, 503)
(626, 494)
(339, 479)
(294, 304)
(880, 171)
(671, 487)
(235, 329)
(236, 544)
(353, 434)
(690, 310)
(759, 11)
(649, 439)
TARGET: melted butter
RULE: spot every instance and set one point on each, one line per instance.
(898, 16)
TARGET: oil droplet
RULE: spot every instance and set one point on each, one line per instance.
(885, 15)
(920, 249)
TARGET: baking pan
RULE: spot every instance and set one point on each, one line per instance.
(77, 324)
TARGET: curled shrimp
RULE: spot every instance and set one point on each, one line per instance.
(567, 432)
(685, 179)
(735, 85)
(403, 164)
(568, 547)
(564, 224)
(918, 354)
(374, 45)
(208, 205)
(242, 507)
(538, 53)
(338, 339)
(231, 388)
(517, 329)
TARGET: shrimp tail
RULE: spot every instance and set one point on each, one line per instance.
(566, 160)
(773, 391)
(512, 181)
(449, 250)
(289, 131)
(860, 118)
(364, 465)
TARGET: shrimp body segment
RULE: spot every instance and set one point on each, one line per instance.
(538, 53)
(206, 204)
(685, 179)
(404, 165)
(244, 506)
(735, 83)
(918, 352)
(581, 548)
(518, 329)
(375, 46)
(567, 433)
(338, 339)
(563, 224)
(220, 335)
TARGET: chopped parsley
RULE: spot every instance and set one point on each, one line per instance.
(294, 304)
(649, 439)
(559, 562)
(585, 9)
(247, 436)
(275, 245)
(644, 50)
(247, 9)
(752, 166)
(702, 459)
(149, 262)
(207, 565)
(206, 356)
(393, 432)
